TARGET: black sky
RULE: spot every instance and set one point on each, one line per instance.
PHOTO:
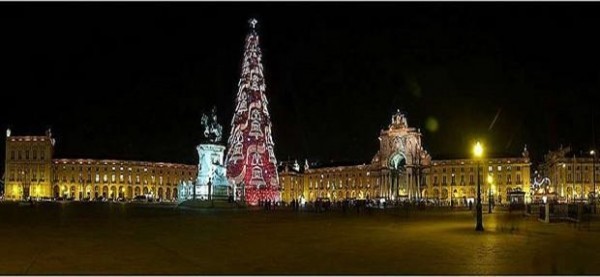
(131, 80)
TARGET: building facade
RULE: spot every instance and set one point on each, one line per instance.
(31, 171)
(455, 181)
(403, 170)
(568, 176)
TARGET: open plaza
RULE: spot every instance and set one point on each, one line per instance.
(117, 238)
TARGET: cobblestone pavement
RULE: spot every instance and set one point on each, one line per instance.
(104, 238)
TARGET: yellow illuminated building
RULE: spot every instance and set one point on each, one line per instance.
(403, 170)
(570, 175)
(30, 171)
(456, 180)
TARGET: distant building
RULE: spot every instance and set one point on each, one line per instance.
(570, 175)
(456, 180)
(31, 171)
(403, 170)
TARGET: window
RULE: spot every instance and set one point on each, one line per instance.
(121, 178)
(568, 178)
(34, 177)
(137, 179)
(490, 168)
(34, 154)
(42, 154)
(435, 180)
(12, 154)
(453, 179)
(105, 178)
(19, 155)
(97, 178)
(160, 180)
(27, 155)
(499, 168)
(519, 178)
(508, 179)
(471, 179)
(444, 180)
(42, 178)
(462, 179)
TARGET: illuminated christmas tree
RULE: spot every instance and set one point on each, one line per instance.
(250, 161)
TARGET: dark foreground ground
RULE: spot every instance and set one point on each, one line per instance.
(103, 238)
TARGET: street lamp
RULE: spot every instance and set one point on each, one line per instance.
(478, 153)
(451, 191)
(593, 153)
(490, 180)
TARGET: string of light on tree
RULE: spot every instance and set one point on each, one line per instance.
(250, 158)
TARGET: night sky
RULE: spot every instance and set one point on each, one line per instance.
(131, 80)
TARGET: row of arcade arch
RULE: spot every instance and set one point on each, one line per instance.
(112, 192)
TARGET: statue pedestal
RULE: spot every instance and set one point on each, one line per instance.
(211, 171)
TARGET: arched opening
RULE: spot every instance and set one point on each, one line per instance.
(113, 192)
(145, 190)
(96, 192)
(121, 192)
(56, 191)
(169, 193)
(137, 191)
(104, 191)
(174, 193)
(88, 192)
(72, 191)
(160, 193)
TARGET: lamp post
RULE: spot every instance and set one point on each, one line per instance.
(490, 180)
(593, 153)
(451, 191)
(478, 152)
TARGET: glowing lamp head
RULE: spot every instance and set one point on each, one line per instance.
(592, 152)
(478, 150)
(490, 179)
